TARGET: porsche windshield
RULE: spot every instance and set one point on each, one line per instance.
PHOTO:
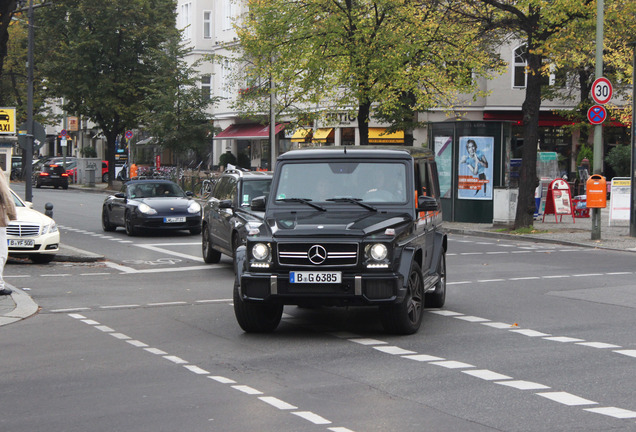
(372, 182)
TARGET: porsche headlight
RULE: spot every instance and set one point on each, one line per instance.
(260, 251)
(146, 209)
(194, 207)
(378, 252)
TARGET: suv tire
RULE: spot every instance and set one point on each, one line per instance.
(437, 298)
(405, 318)
(210, 256)
(256, 317)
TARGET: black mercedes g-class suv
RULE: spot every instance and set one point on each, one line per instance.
(346, 226)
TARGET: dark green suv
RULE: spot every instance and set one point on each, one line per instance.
(346, 226)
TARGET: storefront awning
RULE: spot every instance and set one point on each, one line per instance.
(301, 134)
(322, 134)
(248, 131)
(379, 136)
(545, 118)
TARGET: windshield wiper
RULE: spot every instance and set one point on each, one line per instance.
(304, 201)
(354, 201)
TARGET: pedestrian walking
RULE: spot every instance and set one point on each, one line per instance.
(7, 213)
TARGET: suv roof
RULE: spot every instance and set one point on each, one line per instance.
(241, 173)
(358, 151)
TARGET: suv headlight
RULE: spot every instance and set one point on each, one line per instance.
(261, 251)
(146, 209)
(376, 255)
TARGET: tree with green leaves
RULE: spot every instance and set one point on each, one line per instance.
(537, 23)
(363, 56)
(103, 57)
(7, 9)
(176, 115)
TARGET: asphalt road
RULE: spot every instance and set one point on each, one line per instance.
(534, 337)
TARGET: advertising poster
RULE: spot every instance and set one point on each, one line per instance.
(475, 168)
(444, 159)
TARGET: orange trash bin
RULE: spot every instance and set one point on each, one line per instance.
(596, 191)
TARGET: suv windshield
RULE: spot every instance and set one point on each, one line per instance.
(372, 182)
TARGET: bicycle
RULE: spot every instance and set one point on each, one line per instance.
(203, 189)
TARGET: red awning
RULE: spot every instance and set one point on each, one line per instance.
(545, 118)
(248, 131)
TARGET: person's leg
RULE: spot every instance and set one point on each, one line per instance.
(4, 252)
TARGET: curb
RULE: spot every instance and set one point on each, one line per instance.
(24, 307)
(72, 254)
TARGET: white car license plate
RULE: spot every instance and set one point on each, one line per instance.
(315, 277)
(21, 243)
(174, 219)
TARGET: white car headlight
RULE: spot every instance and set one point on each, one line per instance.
(378, 252)
(146, 209)
(194, 207)
(260, 251)
(50, 228)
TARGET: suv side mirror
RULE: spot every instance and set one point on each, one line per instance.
(258, 203)
(427, 203)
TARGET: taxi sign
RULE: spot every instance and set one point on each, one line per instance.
(7, 120)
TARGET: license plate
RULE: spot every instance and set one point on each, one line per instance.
(174, 219)
(320, 277)
(21, 243)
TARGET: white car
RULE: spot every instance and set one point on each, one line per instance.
(33, 235)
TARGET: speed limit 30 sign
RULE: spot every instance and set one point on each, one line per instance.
(602, 90)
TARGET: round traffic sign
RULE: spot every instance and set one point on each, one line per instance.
(602, 90)
(63, 133)
(129, 134)
(597, 114)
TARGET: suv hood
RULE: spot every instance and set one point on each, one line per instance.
(334, 223)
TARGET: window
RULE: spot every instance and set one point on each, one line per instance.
(206, 87)
(185, 20)
(207, 24)
(520, 63)
(225, 79)
(228, 15)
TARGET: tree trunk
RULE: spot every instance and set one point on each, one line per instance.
(364, 110)
(528, 180)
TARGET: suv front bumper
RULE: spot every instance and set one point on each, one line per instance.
(355, 289)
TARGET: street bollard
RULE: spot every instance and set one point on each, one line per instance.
(48, 209)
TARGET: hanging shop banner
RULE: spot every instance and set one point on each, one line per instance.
(559, 200)
(444, 159)
(475, 168)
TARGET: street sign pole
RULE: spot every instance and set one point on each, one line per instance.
(632, 210)
(598, 129)
(28, 160)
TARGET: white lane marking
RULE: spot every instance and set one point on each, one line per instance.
(71, 309)
(600, 345)
(422, 357)
(630, 353)
(222, 380)
(169, 252)
(313, 418)
(470, 318)
(138, 344)
(529, 333)
(339, 429)
(555, 276)
(120, 336)
(90, 322)
(214, 301)
(562, 339)
(247, 389)
(365, 341)
(446, 313)
(588, 274)
(77, 316)
(156, 351)
(123, 306)
(613, 412)
(523, 385)
(119, 267)
(566, 398)
(487, 375)
(525, 278)
(277, 403)
(96, 274)
(452, 364)
(196, 369)
(56, 275)
(175, 359)
(172, 303)
(490, 280)
(497, 325)
(393, 350)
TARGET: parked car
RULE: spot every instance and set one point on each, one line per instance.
(151, 204)
(346, 227)
(227, 214)
(16, 167)
(52, 175)
(33, 234)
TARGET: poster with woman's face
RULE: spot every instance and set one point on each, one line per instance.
(475, 168)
